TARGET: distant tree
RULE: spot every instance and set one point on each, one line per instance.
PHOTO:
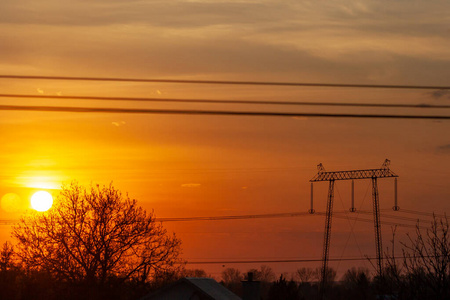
(95, 236)
(283, 290)
(9, 273)
(264, 274)
(357, 283)
(231, 275)
(354, 276)
(307, 278)
(7, 257)
(194, 273)
(232, 279)
(330, 275)
(305, 275)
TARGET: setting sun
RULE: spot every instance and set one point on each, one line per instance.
(41, 201)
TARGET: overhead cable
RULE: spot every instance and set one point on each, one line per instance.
(217, 101)
(224, 262)
(338, 214)
(226, 82)
(422, 213)
(212, 112)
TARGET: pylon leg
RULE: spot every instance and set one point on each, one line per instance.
(326, 242)
(377, 226)
(311, 211)
(353, 209)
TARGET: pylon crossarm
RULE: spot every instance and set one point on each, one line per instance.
(354, 174)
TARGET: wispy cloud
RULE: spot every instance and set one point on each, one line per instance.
(353, 41)
(191, 185)
(439, 94)
(444, 148)
(119, 123)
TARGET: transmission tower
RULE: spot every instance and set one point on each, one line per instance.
(373, 174)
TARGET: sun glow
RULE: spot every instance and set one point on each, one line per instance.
(41, 201)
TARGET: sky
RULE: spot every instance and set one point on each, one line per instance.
(189, 166)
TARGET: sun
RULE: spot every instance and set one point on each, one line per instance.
(41, 201)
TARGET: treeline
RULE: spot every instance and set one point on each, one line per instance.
(18, 282)
(422, 271)
(304, 283)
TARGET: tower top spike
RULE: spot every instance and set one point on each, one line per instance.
(321, 168)
(385, 165)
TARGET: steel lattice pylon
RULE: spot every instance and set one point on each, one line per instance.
(322, 175)
(376, 224)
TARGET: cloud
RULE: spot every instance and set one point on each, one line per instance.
(191, 185)
(179, 14)
(444, 148)
(117, 124)
(250, 39)
(439, 94)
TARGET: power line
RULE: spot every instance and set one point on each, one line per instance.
(422, 213)
(255, 216)
(370, 220)
(226, 82)
(237, 217)
(267, 261)
(295, 260)
(216, 101)
(338, 214)
(403, 218)
(279, 215)
(211, 112)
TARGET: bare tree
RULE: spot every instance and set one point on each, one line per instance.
(194, 273)
(356, 281)
(330, 275)
(11, 279)
(93, 235)
(426, 258)
(6, 257)
(231, 279)
(305, 275)
(264, 274)
(424, 272)
(231, 276)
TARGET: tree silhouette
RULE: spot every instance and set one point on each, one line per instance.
(9, 273)
(424, 272)
(232, 276)
(284, 290)
(305, 275)
(264, 274)
(95, 236)
(356, 282)
(6, 257)
(231, 279)
(194, 273)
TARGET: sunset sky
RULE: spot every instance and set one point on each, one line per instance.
(188, 166)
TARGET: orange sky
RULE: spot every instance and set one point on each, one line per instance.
(183, 166)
